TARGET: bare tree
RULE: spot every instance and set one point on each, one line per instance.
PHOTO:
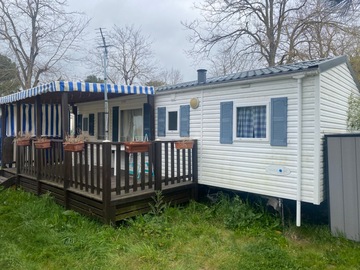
(248, 26)
(39, 34)
(170, 76)
(230, 61)
(166, 77)
(329, 30)
(95, 62)
(274, 31)
(130, 57)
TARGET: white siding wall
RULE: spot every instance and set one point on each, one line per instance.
(308, 139)
(336, 86)
(242, 165)
(124, 103)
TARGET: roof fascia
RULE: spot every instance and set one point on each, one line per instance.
(244, 82)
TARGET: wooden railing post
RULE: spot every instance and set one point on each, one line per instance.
(158, 165)
(3, 132)
(151, 164)
(17, 160)
(18, 128)
(67, 172)
(38, 161)
(109, 215)
(195, 169)
(38, 154)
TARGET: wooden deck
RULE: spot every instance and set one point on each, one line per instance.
(87, 183)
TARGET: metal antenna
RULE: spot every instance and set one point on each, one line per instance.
(105, 86)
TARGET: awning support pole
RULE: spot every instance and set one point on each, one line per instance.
(106, 102)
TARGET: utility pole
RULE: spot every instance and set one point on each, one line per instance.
(106, 102)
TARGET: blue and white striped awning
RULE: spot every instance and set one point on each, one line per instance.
(50, 119)
(64, 86)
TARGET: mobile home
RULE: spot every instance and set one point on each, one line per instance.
(261, 131)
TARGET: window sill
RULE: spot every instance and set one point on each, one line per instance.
(262, 140)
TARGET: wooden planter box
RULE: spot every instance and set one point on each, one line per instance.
(74, 147)
(137, 147)
(42, 144)
(184, 144)
(23, 142)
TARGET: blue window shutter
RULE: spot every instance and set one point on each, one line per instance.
(79, 122)
(226, 122)
(91, 124)
(147, 120)
(185, 121)
(279, 121)
(162, 121)
(115, 124)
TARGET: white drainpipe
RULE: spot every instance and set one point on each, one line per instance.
(299, 150)
(200, 143)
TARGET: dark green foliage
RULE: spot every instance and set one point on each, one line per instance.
(151, 226)
(159, 205)
(155, 83)
(93, 79)
(237, 214)
(9, 82)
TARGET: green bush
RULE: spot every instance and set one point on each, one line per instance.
(353, 114)
(236, 213)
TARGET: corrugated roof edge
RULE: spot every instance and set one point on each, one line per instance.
(321, 64)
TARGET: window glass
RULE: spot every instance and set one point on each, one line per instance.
(131, 127)
(173, 121)
(251, 122)
(101, 126)
(85, 124)
(91, 124)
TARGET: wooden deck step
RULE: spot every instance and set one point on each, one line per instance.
(7, 182)
(2, 179)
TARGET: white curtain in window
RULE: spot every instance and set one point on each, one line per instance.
(131, 125)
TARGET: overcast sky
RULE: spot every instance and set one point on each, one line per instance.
(160, 19)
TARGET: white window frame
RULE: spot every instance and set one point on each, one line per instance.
(169, 110)
(252, 104)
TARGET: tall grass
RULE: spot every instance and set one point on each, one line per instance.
(35, 233)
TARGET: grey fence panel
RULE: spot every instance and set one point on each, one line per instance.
(343, 154)
(335, 185)
(349, 159)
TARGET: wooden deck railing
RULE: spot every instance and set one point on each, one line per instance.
(42, 163)
(105, 170)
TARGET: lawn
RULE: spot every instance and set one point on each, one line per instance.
(35, 233)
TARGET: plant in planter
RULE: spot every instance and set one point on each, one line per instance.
(23, 139)
(42, 143)
(74, 143)
(186, 143)
(137, 146)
